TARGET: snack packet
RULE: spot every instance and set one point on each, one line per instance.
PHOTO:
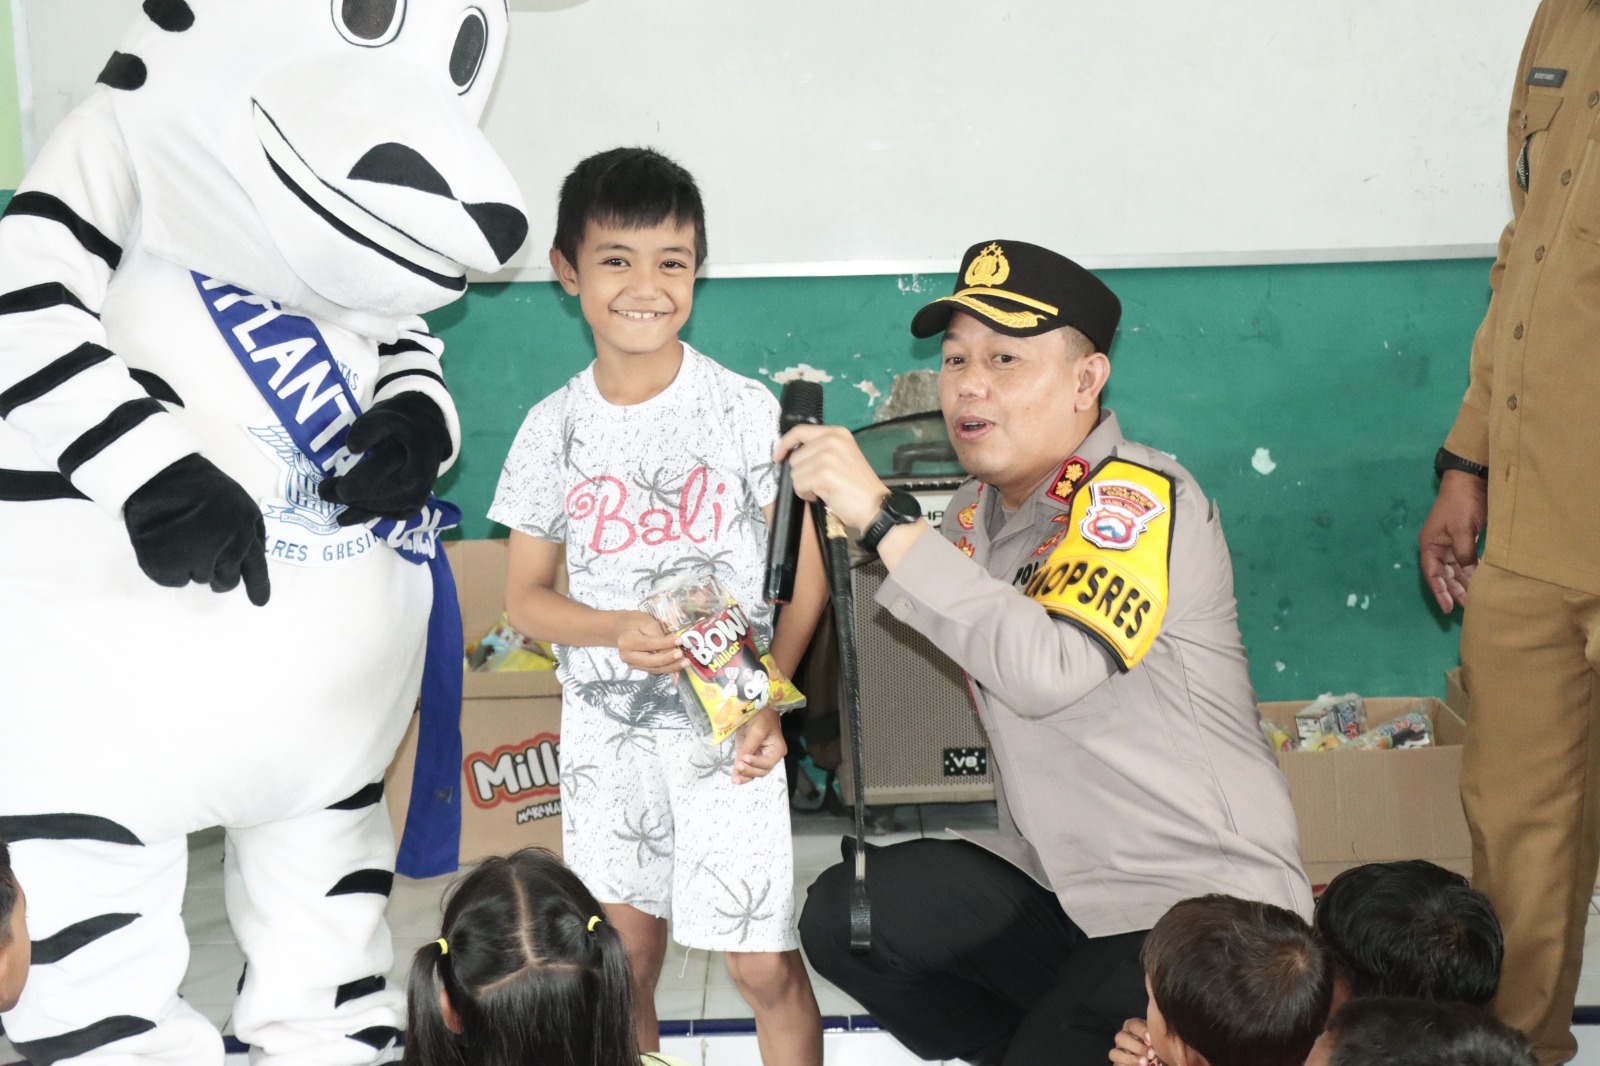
(728, 679)
(1343, 717)
(503, 649)
(1410, 730)
(1278, 738)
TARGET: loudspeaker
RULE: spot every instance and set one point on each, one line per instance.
(921, 740)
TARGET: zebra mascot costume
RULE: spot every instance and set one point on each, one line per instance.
(220, 424)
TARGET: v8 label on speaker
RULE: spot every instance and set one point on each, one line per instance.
(966, 762)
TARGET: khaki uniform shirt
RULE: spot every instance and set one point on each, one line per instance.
(1532, 410)
(1121, 792)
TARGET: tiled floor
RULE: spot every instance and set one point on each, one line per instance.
(695, 985)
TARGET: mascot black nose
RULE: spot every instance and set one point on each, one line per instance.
(503, 225)
(395, 164)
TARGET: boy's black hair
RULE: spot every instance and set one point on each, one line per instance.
(1412, 928)
(631, 188)
(1242, 982)
(530, 972)
(1380, 1031)
(8, 893)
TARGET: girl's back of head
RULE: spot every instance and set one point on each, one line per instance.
(525, 972)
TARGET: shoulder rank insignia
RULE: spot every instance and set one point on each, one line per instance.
(1067, 480)
(1109, 575)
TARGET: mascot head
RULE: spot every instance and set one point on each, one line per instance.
(323, 153)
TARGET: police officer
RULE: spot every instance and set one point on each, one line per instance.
(1522, 456)
(1082, 582)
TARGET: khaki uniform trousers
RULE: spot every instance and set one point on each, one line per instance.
(1530, 783)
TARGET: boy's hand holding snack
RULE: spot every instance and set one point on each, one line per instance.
(644, 644)
(728, 680)
(758, 746)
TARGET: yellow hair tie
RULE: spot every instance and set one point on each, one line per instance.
(444, 946)
(594, 920)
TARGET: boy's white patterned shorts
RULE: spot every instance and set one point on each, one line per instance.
(651, 818)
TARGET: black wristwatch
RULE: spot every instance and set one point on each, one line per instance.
(898, 509)
(1446, 460)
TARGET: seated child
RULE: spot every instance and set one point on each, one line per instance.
(1379, 1031)
(15, 948)
(1232, 982)
(1410, 929)
(526, 971)
(654, 464)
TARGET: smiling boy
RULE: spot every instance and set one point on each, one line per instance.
(652, 463)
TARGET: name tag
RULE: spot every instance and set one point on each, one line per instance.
(1549, 77)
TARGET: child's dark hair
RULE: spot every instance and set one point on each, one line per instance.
(1380, 1030)
(632, 188)
(531, 971)
(8, 893)
(1412, 929)
(1241, 982)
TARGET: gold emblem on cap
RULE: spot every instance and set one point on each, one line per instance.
(990, 268)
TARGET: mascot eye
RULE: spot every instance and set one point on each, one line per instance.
(472, 41)
(370, 23)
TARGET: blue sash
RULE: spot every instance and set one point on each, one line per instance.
(292, 367)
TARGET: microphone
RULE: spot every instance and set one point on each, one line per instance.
(801, 404)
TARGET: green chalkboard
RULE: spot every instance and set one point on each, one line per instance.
(1348, 375)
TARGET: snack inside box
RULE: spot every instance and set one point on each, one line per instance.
(1356, 807)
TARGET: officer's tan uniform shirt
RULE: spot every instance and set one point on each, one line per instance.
(1122, 792)
(1532, 409)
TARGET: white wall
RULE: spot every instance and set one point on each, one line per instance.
(884, 135)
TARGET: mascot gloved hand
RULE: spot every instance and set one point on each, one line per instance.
(192, 522)
(406, 440)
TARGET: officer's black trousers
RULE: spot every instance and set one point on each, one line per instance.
(972, 960)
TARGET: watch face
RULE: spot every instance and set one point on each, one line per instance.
(903, 507)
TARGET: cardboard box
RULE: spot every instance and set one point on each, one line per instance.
(1357, 807)
(1455, 693)
(510, 731)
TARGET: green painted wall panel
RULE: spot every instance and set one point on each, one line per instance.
(10, 115)
(1347, 374)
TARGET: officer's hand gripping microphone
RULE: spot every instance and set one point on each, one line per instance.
(801, 405)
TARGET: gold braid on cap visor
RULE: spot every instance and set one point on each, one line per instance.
(1009, 319)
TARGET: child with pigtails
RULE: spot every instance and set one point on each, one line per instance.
(526, 971)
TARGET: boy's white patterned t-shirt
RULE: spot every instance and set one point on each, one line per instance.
(640, 495)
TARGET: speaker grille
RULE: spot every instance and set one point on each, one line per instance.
(918, 726)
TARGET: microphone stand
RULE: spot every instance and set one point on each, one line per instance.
(836, 562)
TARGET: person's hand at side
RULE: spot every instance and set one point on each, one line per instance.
(1449, 538)
(644, 644)
(758, 746)
(1133, 1045)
